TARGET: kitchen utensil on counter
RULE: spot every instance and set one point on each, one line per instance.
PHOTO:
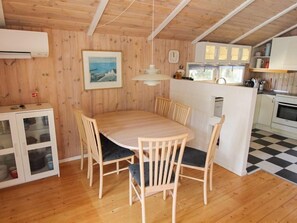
(256, 82)
(261, 85)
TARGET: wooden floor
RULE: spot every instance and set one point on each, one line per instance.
(259, 197)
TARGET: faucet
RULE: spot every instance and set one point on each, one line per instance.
(221, 78)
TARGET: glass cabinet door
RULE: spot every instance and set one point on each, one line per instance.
(210, 52)
(38, 139)
(223, 54)
(10, 162)
(245, 54)
(234, 54)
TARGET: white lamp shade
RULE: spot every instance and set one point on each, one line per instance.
(151, 76)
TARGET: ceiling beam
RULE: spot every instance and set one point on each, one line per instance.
(97, 16)
(171, 16)
(223, 20)
(2, 19)
(282, 32)
(265, 23)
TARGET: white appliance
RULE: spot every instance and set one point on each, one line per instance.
(19, 44)
(285, 113)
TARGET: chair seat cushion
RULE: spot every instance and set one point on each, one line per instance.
(135, 172)
(112, 151)
(193, 157)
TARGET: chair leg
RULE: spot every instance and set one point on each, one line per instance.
(91, 172)
(100, 180)
(132, 159)
(205, 187)
(182, 172)
(89, 167)
(210, 177)
(174, 206)
(81, 158)
(130, 189)
(118, 167)
(164, 194)
(143, 208)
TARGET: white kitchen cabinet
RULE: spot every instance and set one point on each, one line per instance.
(266, 109)
(222, 54)
(257, 109)
(28, 149)
(284, 53)
(239, 54)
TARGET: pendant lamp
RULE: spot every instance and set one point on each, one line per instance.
(152, 76)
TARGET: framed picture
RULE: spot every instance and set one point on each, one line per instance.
(102, 69)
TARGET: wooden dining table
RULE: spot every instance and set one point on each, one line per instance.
(124, 127)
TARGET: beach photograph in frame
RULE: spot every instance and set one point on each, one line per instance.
(102, 69)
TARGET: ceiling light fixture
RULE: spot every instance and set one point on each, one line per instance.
(152, 76)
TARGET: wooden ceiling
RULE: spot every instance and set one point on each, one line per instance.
(192, 21)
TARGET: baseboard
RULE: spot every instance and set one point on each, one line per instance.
(72, 158)
(276, 131)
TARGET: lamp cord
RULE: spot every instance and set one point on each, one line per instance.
(153, 28)
(115, 18)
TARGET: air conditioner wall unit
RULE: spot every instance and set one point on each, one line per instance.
(19, 44)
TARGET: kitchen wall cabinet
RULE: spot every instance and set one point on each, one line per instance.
(284, 53)
(28, 149)
(266, 109)
(222, 54)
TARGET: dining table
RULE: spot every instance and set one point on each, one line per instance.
(124, 127)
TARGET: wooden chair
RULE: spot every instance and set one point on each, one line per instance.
(202, 161)
(82, 136)
(157, 174)
(180, 113)
(162, 106)
(103, 155)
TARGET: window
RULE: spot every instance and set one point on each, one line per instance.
(201, 73)
(232, 74)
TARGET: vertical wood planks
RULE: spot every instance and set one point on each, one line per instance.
(59, 79)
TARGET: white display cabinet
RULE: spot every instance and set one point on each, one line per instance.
(222, 54)
(28, 148)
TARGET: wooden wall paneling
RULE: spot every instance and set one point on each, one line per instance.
(58, 60)
(12, 84)
(293, 83)
(4, 89)
(135, 50)
(86, 96)
(69, 47)
(123, 96)
(60, 79)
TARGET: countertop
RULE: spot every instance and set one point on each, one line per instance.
(276, 92)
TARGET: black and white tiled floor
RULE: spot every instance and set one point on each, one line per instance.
(273, 153)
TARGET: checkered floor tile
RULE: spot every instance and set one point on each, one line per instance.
(273, 153)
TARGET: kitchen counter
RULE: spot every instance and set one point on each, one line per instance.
(276, 92)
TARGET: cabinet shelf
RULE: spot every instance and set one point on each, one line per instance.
(266, 70)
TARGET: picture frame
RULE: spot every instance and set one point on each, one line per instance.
(102, 69)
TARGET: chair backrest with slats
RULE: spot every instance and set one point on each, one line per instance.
(161, 152)
(81, 129)
(180, 113)
(93, 138)
(213, 142)
(162, 106)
